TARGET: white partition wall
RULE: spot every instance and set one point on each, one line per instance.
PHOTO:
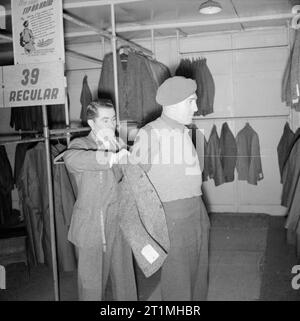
(248, 84)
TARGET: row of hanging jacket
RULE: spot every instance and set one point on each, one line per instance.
(31, 182)
(224, 154)
(290, 92)
(6, 187)
(31, 117)
(198, 70)
(289, 163)
(138, 80)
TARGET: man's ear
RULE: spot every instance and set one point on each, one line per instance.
(91, 123)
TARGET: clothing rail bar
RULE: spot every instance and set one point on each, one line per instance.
(241, 117)
(83, 69)
(21, 132)
(22, 141)
(31, 140)
(231, 49)
(69, 130)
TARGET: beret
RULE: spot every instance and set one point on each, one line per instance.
(174, 90)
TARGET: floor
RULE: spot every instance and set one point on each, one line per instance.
(249, 260)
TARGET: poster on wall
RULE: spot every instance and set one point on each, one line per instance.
(37, 31)
(34, 84)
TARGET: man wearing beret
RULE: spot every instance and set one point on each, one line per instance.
(165, 151)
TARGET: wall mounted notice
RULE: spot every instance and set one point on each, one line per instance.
(37, 31)
(34, 84)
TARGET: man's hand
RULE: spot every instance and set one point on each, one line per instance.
(120, 157)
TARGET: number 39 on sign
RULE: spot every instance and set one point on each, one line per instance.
(34, 84)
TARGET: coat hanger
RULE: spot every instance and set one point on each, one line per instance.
(59, 159)
(123, 53)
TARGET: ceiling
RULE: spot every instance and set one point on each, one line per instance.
(133, 16)
(136, 18)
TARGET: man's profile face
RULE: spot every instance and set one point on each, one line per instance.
(185, 110)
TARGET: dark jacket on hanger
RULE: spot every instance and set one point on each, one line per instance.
(291, 171)
(6, 186)
(85, 99)
(293, 142)
(198, 70)
(228, 153)
(20, 153)
(214, 165)
(206, 97)
(284, 147)
(31, 117)
(26, 118)
(248, 164)
(137, 87)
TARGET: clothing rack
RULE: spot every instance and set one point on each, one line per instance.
(83, 69)
(22, 141)
(232, 49)
(30, 140)
(241, 117)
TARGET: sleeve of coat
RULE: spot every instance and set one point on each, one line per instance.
(106, 87)
(78, 158)
(211, 157)
(255, 170)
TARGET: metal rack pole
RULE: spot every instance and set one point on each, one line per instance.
(23, 141)
(69, 130)
(178, 46)
(51, 205)
(67, 114)
(83, 69)
(231, 49)
(114, 51)
(105, 33)
(153, 44)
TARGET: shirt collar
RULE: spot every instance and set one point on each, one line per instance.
(172, 122)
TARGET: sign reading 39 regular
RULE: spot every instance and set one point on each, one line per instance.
(34, 84)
